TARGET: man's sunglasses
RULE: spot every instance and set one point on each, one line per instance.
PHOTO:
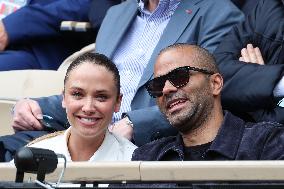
(178, 77)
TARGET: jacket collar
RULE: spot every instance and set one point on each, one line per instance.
(171, 34)
(225, 144)
(173, 31)
(228, 137)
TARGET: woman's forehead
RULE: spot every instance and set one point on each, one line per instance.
(91, 73)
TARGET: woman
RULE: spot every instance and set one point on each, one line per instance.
(91, 95)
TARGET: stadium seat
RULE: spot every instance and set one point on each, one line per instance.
(30, 84)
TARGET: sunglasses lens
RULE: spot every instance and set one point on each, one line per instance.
(155, 87)
(179, 77)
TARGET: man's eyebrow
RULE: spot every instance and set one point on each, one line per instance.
(74, 87)
(102, 91)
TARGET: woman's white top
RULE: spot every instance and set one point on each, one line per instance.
(113, 148)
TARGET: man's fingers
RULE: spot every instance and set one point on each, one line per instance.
(18, 127)
(26, 115)
(111, 127)
(37, 115)
(251, 54)
(244, 54)
(122, 128)
(26, 122)
(36, 110)
(259, 56)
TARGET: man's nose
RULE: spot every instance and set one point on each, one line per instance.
(169, 88)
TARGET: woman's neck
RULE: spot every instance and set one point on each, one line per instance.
(82, 148)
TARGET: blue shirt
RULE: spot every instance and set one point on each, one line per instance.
(133, 54)
(236, 140)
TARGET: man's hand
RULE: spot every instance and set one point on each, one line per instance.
(251, 55)
(27, 114)
(122, 128)
(3, 37)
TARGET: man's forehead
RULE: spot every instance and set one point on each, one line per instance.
(172, 59)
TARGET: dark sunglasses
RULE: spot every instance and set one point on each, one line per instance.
(178, 77)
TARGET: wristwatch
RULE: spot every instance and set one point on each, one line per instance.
(128, 121)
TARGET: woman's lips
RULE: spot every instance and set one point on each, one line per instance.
(88, 121)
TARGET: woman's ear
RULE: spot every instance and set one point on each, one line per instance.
(118, 103)
(217, 83)
(63, 100)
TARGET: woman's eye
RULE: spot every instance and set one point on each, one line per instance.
(76, 94)
(102, 97)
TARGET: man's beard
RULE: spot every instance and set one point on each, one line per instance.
(194, 115)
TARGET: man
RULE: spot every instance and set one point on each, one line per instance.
(30, 38)
(250, 59)
(187, 86)
(132, 34)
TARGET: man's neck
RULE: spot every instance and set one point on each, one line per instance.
(152, 5)
(206, 132)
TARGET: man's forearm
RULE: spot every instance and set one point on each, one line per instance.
(149, 124)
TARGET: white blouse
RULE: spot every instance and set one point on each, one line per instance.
(113, 148)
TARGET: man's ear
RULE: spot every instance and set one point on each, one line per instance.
(118, 103)
(217, 83)
(63, 100)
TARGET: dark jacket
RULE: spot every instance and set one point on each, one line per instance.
(248, 88)
(236, 140)
(35, 28)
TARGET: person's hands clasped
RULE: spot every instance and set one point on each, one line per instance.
(3, 37)
(251, 55)
(26, 116)
(122, 128)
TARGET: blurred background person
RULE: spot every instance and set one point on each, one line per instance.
(30, 37)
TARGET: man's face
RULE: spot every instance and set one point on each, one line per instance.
(188, 106)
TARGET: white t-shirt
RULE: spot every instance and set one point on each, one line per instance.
(113, 148)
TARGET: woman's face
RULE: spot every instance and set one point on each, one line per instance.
(90, 98)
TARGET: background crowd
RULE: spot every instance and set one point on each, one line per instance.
(245, 39)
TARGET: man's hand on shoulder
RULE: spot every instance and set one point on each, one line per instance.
(26, 115)
(3, 37)
(123, 128)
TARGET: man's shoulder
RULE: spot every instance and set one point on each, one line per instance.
(118, 11)
(264, 124)
(123, 5)
(150, 151)
(219, 3)
(263, 128)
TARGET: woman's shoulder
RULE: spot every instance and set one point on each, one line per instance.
(47, 141)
